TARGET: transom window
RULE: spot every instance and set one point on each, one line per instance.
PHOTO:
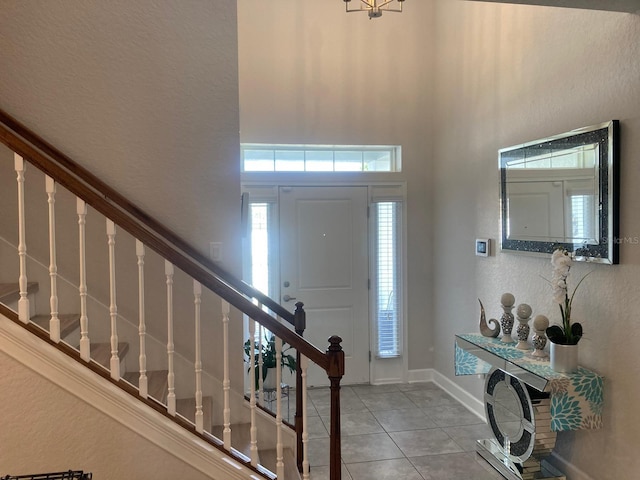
(319, 158)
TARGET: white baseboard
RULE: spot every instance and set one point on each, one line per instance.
(570, 470)
(417, 376)
(465, 398)
(386, 381)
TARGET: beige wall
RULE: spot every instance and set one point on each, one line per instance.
(46, 429)
(501, 75)
(311, 74)
(145, 96)
(510, 74)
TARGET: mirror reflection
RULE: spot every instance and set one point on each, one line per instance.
(508, 411)
(561, 191)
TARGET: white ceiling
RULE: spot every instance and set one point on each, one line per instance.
(632, 6)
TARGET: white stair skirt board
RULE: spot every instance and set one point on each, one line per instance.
(81, 382)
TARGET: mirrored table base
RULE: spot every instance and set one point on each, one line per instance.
(531, 469)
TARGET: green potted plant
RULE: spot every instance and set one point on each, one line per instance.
(267, 350)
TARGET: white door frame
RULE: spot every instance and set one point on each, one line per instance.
(381, 371)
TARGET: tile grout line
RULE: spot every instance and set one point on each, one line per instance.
(364, 393)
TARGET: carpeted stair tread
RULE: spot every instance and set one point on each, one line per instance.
(101, 352)
(68, 322)
(10, 292)
(157, 383)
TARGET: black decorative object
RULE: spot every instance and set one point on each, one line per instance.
(68, 475)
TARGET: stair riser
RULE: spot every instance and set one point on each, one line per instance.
(123, 367)
(73, 338)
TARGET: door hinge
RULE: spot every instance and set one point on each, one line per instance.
(369, 356)
(368, 284)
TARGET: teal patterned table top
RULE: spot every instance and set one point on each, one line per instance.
(576, 398)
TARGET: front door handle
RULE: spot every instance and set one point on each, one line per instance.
(287, 298)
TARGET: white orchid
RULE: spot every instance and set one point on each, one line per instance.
(568, 334)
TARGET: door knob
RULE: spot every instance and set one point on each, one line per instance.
(286, 298)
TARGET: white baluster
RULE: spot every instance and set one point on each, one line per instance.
(23, 302)
(85, 347)
(113, 309)
(304, 365)
(226, 383)
(143, 386)
(252, 399)
(197, 294)
(171, 395)
(279, 452)
(260, 365)
(54, 322)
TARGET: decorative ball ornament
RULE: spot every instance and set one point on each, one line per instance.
(539, 339)
(507, 300)
(523, 313)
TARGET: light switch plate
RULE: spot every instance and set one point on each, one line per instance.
(215, 251)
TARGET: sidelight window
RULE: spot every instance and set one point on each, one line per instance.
(388, 292)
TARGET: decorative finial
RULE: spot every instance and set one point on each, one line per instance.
(539, 339)
(506, 320)
(524, 313)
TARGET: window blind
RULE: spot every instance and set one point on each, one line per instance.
(388, 295)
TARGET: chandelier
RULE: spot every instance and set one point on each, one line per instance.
(374, 8)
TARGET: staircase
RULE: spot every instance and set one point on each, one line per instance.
(192, 388)
(157, 381)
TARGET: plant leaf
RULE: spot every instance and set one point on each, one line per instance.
(556, 334)
(576, 332)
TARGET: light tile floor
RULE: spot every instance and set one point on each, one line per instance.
(398, 432)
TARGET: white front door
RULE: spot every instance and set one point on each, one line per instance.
(324, 264)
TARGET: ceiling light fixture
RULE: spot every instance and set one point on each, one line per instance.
(374, 8)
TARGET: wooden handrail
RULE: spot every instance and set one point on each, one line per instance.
(13, 126)
(166, 243)
(159, 238)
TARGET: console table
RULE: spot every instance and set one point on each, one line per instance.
(527, 403)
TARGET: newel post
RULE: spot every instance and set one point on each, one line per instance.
(335, 372)
(300, 323)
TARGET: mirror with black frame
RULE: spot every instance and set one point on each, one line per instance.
(563, 191)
